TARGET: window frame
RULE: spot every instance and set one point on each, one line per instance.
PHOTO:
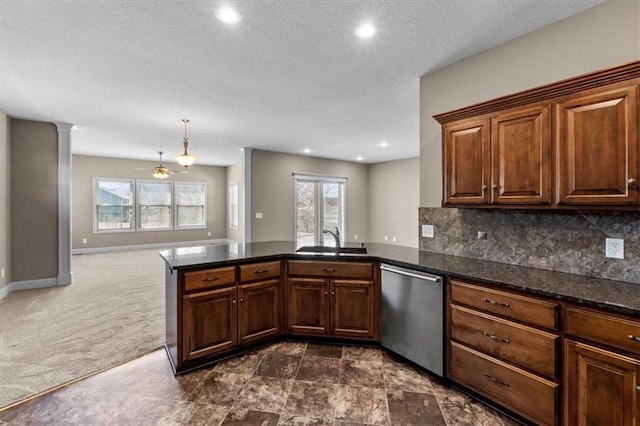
(132, 206)
(234, 184)
(171, 205)
(174, 201)
(318, 180)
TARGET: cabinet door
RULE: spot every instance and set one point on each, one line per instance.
(597, 148)
(521, 157)
(308, 307)
(258, 310)
(209, 322)
(466, 162)
(600, 386)
(352, 309)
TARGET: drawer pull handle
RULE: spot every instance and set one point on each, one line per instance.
(260, 271)
(329, 269)
(210, 279)
(636, 338)
(493, 302)
(637, 388)
(494, 337)
(496, 380)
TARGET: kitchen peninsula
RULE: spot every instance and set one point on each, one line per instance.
(224, 299)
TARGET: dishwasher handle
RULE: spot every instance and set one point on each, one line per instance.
(432, 278)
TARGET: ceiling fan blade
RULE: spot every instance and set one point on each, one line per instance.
(141, 169)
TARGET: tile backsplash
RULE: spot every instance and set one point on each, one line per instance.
(571, 241)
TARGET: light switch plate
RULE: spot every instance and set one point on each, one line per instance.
(259, 215)
(427, 231)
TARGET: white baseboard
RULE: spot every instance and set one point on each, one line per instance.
(27, 285)
(151, 246)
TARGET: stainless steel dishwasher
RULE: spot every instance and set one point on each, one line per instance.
(413, 316)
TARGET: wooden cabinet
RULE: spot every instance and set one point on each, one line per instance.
(597, 147)
(601, 368)
(521, 156)
(570, 144)
(502, 159)
(308, 306)
(212, 312)
(210, 322)
(601, 387)
(505, 346)
(336, 299)
(259, 312)
(466, 162)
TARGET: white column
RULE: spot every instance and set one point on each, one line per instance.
(246, 179)
(64, 203)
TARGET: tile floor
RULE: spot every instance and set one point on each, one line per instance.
(287, 383)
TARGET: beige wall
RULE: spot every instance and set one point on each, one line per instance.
(234, 174)
(600, 37)
(34, 200)
(272, 193)
(5, 200)
(394, 196)
(85, 168)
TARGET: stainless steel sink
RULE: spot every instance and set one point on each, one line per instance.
(332, 250)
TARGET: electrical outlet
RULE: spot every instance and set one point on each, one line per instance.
(386, 238)
(427, 231)
(2, 274)
(209, 234)
(259, 215)
(84, 241)
(393, 239)
(355, 237)
(615, 248)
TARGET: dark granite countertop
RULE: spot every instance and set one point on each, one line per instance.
(611, 295)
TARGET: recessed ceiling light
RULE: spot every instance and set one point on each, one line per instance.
(228, 15)
(307, 150)
(384, 144)
(365, 31)
(359, 158)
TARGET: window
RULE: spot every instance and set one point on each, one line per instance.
(113, 205)
(319, 206)
(154, 205)
(234, 212)
(190, 205)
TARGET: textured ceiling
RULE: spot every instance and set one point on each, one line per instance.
(290, 76)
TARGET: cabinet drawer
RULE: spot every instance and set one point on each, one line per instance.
(521, 308)
(258, 271)
(331, 269)
(522, 345)
(614, 331)
(198, 280)
(527, 394)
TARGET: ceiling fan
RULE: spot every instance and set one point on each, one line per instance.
(160, 171)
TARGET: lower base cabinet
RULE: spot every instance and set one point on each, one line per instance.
(210, 323)
(602, 387)
(258, 311)
(527, 394)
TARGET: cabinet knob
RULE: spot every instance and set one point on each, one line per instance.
(333, 293)
(631, 182)
(483, 187)
(326, 292)
(494, 186)
(233, 301)
(241, 299)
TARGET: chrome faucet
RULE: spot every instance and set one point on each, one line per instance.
(336, 235)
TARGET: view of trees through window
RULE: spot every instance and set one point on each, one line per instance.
(319, 206)
(114, 205)
(152, 205)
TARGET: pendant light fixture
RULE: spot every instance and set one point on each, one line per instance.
(185, 159)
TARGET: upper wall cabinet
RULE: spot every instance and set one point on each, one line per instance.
(597, 147)
(571, 144)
